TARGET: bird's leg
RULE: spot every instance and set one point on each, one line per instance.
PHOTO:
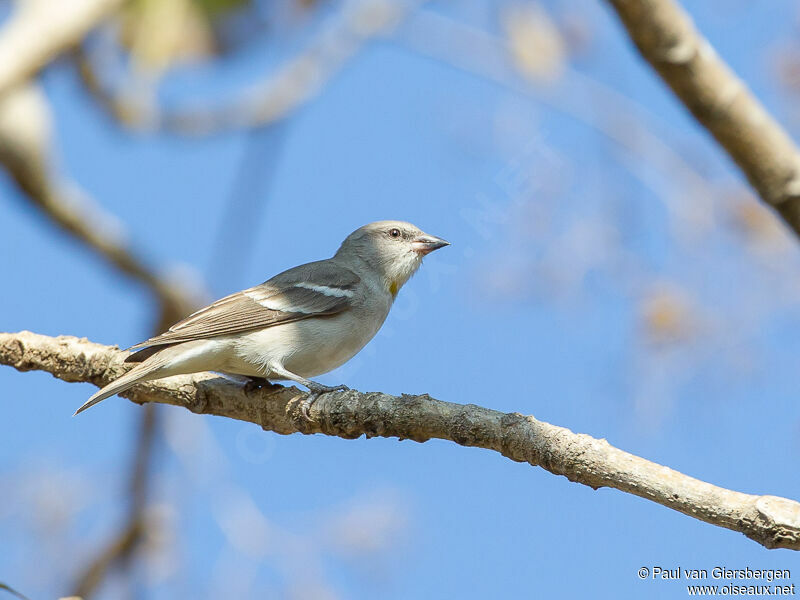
(315, 389)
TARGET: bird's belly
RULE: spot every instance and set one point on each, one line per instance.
(307, 348)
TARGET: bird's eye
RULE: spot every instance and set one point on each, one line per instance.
(395, 233)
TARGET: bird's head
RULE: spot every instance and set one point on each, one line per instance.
(395, 249)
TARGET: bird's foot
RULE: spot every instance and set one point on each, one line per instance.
(315, 392)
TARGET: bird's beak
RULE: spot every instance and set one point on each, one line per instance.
(425, 244)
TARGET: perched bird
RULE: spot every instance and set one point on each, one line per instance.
(302, 323)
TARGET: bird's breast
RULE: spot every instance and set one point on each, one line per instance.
(309, 347)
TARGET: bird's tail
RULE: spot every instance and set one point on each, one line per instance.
(150, 369)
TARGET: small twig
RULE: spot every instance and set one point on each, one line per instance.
(769, 520)
(12, 591)
(280, 93)
(121, 547)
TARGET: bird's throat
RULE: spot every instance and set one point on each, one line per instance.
(394, 287)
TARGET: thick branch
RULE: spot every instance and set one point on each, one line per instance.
(719, 100)
(40, 30)
(771, 521)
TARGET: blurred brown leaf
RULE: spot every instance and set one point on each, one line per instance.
(666, 315)
(757, 223)
(537, 47)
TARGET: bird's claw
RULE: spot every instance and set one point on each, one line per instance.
(314, 394)
(305, 406)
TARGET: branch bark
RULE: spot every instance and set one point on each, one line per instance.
(721, 102)
(769, 520)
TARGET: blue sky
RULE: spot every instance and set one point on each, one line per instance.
(557, 233)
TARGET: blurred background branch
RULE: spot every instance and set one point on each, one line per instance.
(132, 100)
(512, 59)
(122, 547)
(12, 591)
(26, 149)
(39, 30)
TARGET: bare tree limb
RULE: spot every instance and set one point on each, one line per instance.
(719, 100)
(769, 520)
(40, 30)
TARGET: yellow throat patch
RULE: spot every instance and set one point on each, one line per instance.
(393, 289)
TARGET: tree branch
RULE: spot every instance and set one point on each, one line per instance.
(719, 100)
(38, 31)
(769, 520)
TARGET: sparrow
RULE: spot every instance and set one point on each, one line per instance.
(302, 323)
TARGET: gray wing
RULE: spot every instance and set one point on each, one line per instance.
(311, 290)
